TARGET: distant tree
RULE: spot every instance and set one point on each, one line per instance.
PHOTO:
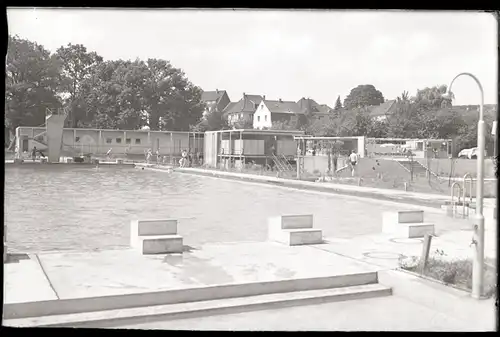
(214, 121)
(362, 96)
(284, 125)
(338, 104)
(243, 124)
(432, 98)
(404, 98)
(77, 65)
(31, 83)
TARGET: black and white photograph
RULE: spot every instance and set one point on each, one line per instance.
(232, 169)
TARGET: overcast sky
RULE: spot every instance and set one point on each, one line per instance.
(287, 54)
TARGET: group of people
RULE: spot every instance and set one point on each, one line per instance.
(188, 158)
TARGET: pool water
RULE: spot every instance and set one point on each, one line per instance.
(70, 207)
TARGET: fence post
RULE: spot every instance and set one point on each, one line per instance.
(425, 253)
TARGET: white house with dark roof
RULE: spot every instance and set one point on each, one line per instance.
(270, 111)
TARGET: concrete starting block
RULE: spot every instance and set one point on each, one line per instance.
(44, 160)
(294, 230)
(406, 224)
(18, 161)
(155, 236)
(119, 161)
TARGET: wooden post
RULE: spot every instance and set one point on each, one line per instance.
(171, 145)
(425, 253)
(125, 142)
(99, 142)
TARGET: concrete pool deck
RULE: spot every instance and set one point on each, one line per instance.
(423, 199)
(80, 275)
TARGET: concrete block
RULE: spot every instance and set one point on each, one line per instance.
(18, 161)
(119, 161)
(69, 160)
(43, 160)
(160, 244)
(294, 237)
(399, 217)
(409, 230)
(140, 228)
(293, 221)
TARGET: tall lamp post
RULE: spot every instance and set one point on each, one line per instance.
(478, 238)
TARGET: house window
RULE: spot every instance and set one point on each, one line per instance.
(258, 118)
(118, 140)
(108, 140)
(261, 107)
(137, 141)
(128, 141)
(77, 139)
(265, 118)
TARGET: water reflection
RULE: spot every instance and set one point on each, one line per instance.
(80, 208)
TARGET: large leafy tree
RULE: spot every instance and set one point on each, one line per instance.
(114, 95)
(172, 101)
(31, 83)
(77, 66)
(362, 96)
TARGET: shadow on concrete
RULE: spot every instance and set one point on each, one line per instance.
(16, 257)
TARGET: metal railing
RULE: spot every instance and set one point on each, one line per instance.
(467, 175)
(453, 204)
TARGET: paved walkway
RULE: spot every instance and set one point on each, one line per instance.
(122, 271)
(416, 305)
(434, 200)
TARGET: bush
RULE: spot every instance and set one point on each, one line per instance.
(456, 272)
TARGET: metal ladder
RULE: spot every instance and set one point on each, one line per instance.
(281, 163)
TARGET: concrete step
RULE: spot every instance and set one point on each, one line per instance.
(153, 227)
(295, 237)
(292, 221)
(398, 217)
(159, 244)
(120, 317)
(409, 230)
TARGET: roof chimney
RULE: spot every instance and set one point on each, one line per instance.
(243, 95)
(263, 97)
(216, 91)
(280, 100)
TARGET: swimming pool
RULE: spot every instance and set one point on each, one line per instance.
(71, 207)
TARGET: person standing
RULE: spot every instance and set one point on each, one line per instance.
(108, 154)
(33, 153)
(353, 160)
(158, 156)
(335, 158)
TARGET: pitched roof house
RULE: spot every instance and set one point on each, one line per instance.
(243, 110)
(270, 111)
(380, 112)
(215, 100)
(311, 107)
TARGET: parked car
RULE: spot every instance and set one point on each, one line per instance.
(469, 153)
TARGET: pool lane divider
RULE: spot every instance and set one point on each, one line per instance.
(296, 184)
